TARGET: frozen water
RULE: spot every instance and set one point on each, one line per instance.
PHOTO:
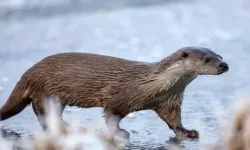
(138, 30)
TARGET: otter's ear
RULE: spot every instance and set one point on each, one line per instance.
(184, 55)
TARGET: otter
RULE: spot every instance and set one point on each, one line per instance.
(119, 86)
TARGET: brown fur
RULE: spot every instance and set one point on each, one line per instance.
(119, 86)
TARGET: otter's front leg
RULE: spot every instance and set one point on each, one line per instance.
(172, 116)
(112, 122)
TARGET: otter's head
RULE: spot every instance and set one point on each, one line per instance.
(202, 61)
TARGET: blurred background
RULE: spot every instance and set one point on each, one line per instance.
(144, 30)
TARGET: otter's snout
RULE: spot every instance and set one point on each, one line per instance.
(223, 67)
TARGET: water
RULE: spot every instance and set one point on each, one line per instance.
(138, 30)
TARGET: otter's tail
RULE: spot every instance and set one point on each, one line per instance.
(17, 101)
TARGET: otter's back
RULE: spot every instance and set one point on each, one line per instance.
(79, 76)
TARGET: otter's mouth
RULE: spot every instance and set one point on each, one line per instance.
(219, 72)
(222, 71)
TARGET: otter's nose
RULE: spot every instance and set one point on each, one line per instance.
(224, 66)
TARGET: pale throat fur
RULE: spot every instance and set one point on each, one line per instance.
(168, 86)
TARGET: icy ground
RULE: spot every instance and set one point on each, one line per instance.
(143, 31)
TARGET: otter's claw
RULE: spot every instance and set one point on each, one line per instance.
(188, 133)
(191, 133)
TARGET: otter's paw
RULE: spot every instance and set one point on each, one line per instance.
(191, 133)
(187, 133)
(123, 134)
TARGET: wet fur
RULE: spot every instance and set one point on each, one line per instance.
(119, 86)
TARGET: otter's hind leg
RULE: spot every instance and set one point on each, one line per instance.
(39, 110)
(112, 122)
(172, 116)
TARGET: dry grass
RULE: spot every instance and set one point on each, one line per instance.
(237, 133)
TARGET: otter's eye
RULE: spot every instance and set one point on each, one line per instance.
(184, 55)
(207, 60)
